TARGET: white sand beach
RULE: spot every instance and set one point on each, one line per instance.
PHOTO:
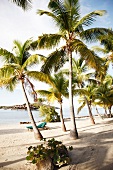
(92, 151)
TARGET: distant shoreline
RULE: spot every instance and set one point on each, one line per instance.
(18, 107)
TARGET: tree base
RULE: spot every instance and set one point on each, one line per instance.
(92, 120)
(73, 134)
(38, 136)
(64, 129)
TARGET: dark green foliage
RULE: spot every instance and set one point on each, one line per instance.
(24, 4)
(51, 149)
(49, 113)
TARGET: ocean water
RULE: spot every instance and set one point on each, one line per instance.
(16, 116)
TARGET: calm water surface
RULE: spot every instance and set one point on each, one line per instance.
(16, 116)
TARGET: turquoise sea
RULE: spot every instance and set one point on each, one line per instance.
(16, 116)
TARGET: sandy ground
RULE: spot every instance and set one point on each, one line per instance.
(92, 151)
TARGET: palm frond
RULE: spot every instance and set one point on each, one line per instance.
(21, 50)
(7, 56)
(59, 10)
(17, 47)
(54, 61)
(25, 4)
(81, 107)
(24, 52)
(99, 49)
(39, 76)
(34, 45)
(42, 12)
(93, 34)
(43, 92)
(10, 83)
(90, 18)
(8, 70)
(51, 97)
(49, 41)
(89, 56)
(33, 59)
(80, 91)
(107, 41)
(73, 7)
(61, 84)
(26, 45)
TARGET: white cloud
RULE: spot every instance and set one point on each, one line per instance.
(17, 24)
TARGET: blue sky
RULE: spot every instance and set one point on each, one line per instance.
(17, 24)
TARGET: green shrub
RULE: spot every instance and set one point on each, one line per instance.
(49, 114)
(52, 149)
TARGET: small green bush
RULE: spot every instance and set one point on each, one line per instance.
(52, 149)
(49, 114)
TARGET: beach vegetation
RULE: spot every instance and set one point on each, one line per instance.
(74, 34)
(49, 114)
(53, 150)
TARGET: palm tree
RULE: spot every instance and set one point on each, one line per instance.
(86, 98)
(81, 76)
(15, 70)
(56, 92)
(104, 94)
(66, 15)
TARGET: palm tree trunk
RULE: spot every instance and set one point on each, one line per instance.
(99, 113)
(37, 133)
(105, 111)
(61, 118)
(90, 112)
(110, 114)
(73, 130)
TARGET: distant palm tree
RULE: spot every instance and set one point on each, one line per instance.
(104, 94)
(86, 98)
(66, 15)
(15, 70)
(57, 92)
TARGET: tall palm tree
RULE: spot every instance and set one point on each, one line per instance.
(66, 16)
(15, 70)
(56, 92)
(81, 76)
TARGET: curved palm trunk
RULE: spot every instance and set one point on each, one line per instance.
(61, 118)
(105, 111)
(99, 114)
(90, 112)
(37, 133)
(73, 130)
